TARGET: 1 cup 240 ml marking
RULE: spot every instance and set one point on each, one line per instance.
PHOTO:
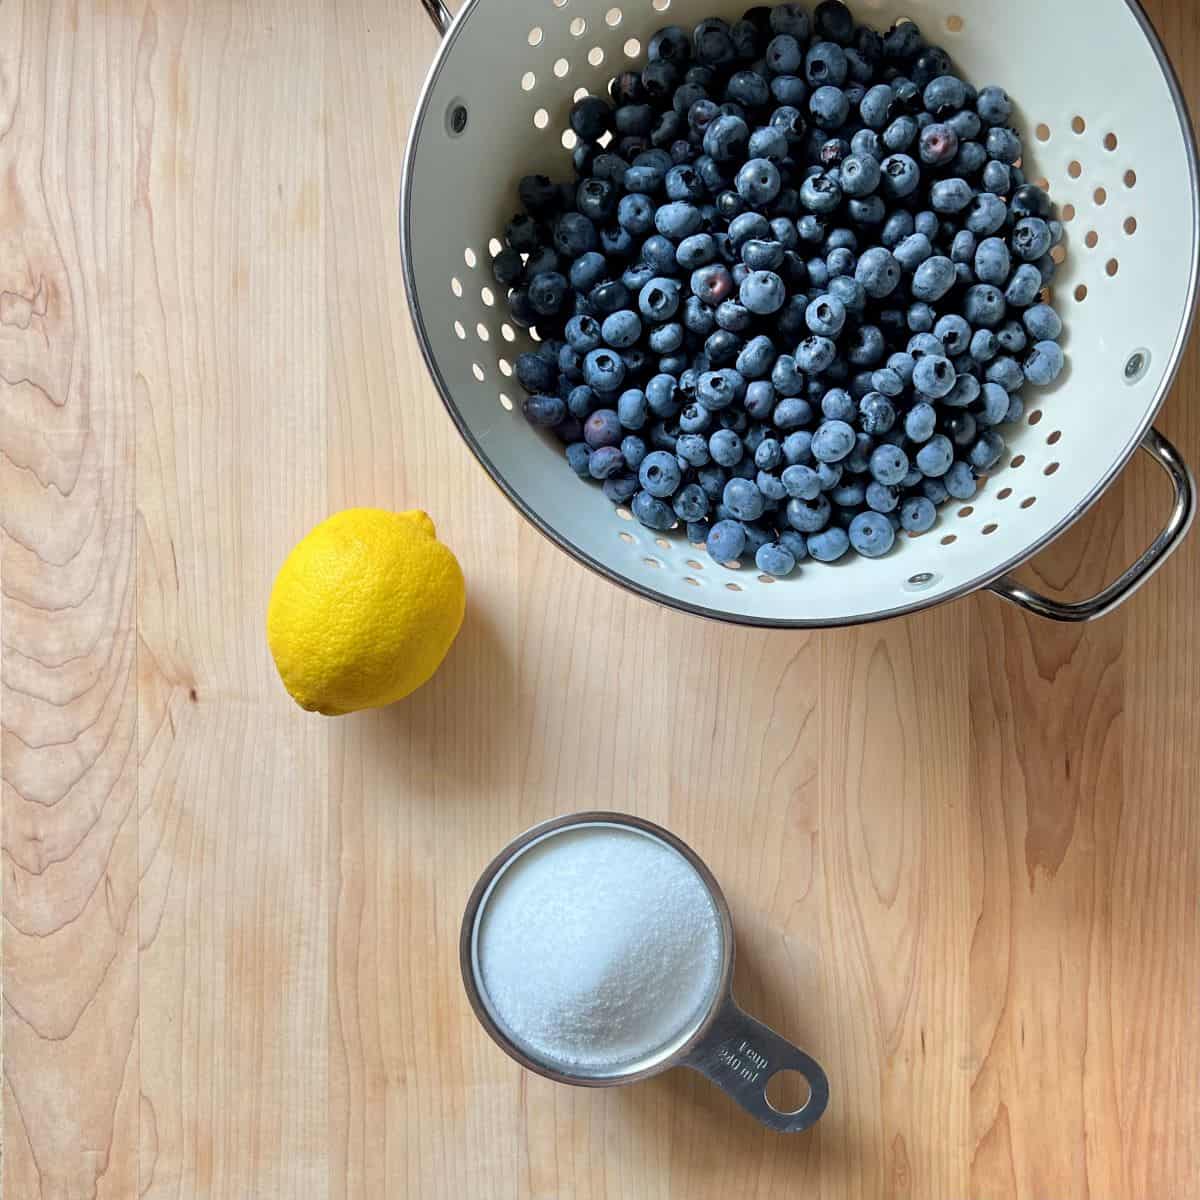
(743, 1060)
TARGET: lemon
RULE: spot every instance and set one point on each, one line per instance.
(364, 610)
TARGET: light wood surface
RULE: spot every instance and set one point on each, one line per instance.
(962, 850)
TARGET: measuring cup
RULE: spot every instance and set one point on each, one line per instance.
(725, 1044)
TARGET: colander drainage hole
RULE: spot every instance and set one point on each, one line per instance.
(1051, 468)
(627, 538)
(528, 81)
(632, 48)
(612, 18)
(1079, 125)
(1112, 267)
(955, 23)
(1092, 240)
(456, 118)
(661, 5)
(1131, 225)
(1029, 502)
(578, 27)
(1110, 142)
(690, 581)
(505, 402)
(596, 56)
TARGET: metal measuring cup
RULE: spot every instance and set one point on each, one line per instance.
(725, 1044)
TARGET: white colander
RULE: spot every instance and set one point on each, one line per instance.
(1104, 123)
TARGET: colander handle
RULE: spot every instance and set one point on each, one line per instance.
(1163, 546)
(439, 14)
(740, 1055)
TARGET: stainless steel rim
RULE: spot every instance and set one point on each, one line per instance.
(721, 995)
(980, 582)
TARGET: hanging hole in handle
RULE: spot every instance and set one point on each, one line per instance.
(788, 1092)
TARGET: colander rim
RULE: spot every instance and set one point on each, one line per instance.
(979, 582)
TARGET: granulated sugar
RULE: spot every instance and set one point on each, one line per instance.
(598, 946)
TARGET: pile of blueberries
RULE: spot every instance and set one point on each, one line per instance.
(793, 294)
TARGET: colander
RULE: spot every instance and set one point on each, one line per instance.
(1106, 129)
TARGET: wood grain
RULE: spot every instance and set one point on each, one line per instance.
(961, 849)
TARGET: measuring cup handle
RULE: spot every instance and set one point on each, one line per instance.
(439, 14)
(740, 1054)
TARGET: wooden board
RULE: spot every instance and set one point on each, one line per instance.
(961, 849)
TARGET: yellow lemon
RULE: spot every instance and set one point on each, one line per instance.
(364, 610)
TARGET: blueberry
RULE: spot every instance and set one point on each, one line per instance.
(711, 42)
(762, 255)
(622, 328)
(995, 404)
(1003, 145)
(670, 44)
(913, 251)
(591, 117)
(659, 474)
(763, 292)
(938, 145)
(801, 482)
(830, 475)
(725, 448)
(903, 41)
(1024, 286)
(775, 559)
(637, 276)
(697, 531)
(691, 503)
(644, 180)
(788, 18)
(954, 333)
(652, 512)
(606, 461)
(544, 411)
(635, 213)
(820, 194)
(535, 374)
(838, 405)
(960, 481)
(743, 499)
(984, 305)
(791, 413)
(758, 181)
(832, 441)
(860, 176)
(815, 354)
(574, 235)
(722, 348)
(633, 450)
(1007, 373)
(964, 393)
(1043, 323)
(808, 516)
(1031, 239)
(1012, 337)
(547, 292)
(987, 452)
(1044, 363)
(993, 263)
(866, 347)
(570, 364)
(997, 178)
(876, 413)
(603, 428)
(920, 422)
(667, 339)
(733, 316)
(934, 376)
(603, 371)
(960, 428)
(1031, 201)
(659, 299)
(726, 138)
(871, 534)
(841, 262)
(876, 106)
(578, 454)
(711, 284)
(984, 346)
(950, 195)
(507, 267)
(783, 55)
(993, 105)
(933, 279)
(726, 541)
(790, 121)
(901, 176)
(917, 514)
(829, 108)
(934, 458)
(879, 272)
(829, 545)
(696, 251)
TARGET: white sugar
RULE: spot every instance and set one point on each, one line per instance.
(597, 947)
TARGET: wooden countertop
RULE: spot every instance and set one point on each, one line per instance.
(962, 850)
